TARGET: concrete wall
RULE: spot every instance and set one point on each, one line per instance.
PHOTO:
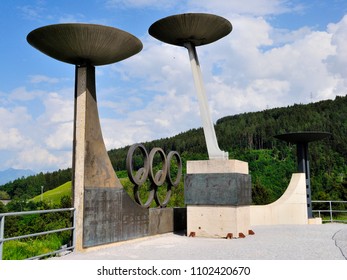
(290, 208)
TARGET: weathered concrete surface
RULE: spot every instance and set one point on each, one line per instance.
(110, 215)
(96, 164)
(91, 164)
(290, 208)
(218, 189)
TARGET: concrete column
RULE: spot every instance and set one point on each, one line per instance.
(91, 165)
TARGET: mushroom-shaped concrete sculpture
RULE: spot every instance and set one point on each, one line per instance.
(80, 43)
(301, 139)
(191, 30)
(85, 46)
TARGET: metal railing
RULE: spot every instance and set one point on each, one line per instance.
(72, 228)
(330, 210)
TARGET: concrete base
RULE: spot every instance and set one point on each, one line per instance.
(218, 197)
(218, 221)
(315, 221)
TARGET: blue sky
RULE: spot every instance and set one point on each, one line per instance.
(279, 53)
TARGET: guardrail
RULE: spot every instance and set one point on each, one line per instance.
(72, 228)
(330, 210)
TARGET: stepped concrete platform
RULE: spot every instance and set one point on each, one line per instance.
(271, 242)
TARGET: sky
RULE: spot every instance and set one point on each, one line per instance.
(279, 53)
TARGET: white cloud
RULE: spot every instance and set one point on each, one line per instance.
(162, 4)
(61, 137)
(32, 12)
(35, 79)
(11, 139)
(23, 94)
(118, 133)
(70, 18)
(166, 115)
(14, 116)
(58, 109)
(245, 7)
(337, 61)
(36, 142)
(38, 158)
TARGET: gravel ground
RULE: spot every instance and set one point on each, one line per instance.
(279, 242)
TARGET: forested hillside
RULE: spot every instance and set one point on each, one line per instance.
(250, 137)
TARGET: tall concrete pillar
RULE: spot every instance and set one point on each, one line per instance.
(96, 188)
(91, 164)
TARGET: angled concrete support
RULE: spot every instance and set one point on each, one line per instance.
(290, 208)
(214, 152)
(191, 30)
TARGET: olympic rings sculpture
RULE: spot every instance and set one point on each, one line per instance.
(157, 179)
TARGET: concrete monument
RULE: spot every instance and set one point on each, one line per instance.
(301, 139)
(294, 206)
(104, 212)
(189, 31)
(217, 191)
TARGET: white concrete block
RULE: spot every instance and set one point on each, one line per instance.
(218, 221)
(217, 166)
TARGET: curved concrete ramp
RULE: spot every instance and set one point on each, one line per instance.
(290, 208)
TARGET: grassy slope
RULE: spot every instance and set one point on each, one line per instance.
(54, 196)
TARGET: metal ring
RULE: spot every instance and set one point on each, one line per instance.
(149, 199)
(159, 177)
(166, 199)
(141, 174)
(179, 171)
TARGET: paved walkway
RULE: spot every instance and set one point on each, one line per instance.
(280, 242)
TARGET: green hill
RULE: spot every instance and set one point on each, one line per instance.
(54, 196)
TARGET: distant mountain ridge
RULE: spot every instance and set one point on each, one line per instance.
(11, 174)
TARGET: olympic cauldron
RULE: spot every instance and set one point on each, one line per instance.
(104, 212)
(218, 190)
